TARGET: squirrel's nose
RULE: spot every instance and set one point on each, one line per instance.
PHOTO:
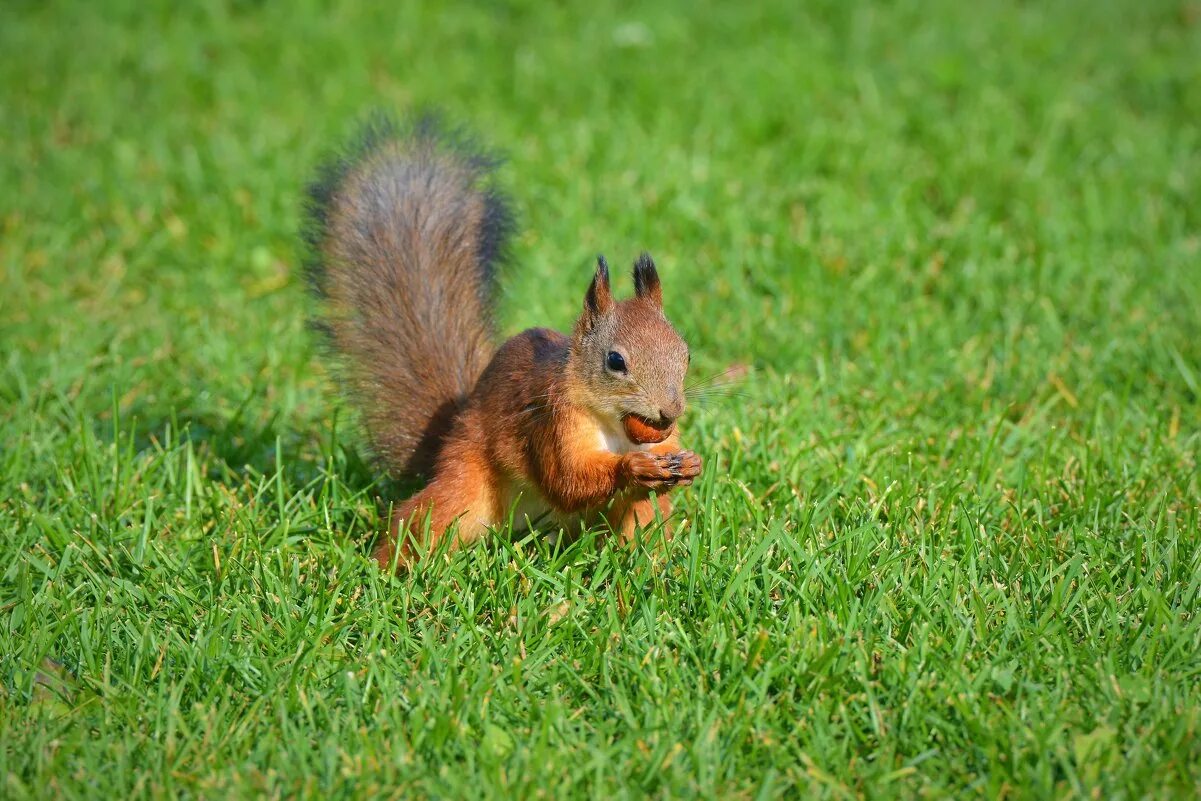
(673, 409)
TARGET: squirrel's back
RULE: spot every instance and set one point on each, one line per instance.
(405, 232)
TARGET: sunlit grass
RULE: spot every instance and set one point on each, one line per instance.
(947, 538)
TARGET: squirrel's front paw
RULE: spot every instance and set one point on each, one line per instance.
(662, 471)
(649, 470)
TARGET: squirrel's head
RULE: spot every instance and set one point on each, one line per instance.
(625, 355)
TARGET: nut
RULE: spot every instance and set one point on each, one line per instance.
(643, 431)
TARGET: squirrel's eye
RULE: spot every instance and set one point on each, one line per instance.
(615, 362)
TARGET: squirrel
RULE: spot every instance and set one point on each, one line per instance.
(405, 234)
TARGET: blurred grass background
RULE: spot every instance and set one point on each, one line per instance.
(948, 540)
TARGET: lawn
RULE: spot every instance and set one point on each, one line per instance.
(948, 540)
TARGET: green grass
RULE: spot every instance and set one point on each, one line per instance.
(947, 543)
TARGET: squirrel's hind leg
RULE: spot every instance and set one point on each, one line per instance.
(627, 516)
(462, 496)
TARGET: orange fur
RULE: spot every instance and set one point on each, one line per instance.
(405, 232)
(502, 446)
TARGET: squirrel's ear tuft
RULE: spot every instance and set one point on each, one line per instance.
(646, 280)
(599, 300)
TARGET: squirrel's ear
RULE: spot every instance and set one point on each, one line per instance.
(599, 300)
(646, 280)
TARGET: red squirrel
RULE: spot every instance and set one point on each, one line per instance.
(405, 234)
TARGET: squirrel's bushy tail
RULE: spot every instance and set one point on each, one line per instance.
(405, 231)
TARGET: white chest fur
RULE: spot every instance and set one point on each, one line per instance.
(527, 506)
